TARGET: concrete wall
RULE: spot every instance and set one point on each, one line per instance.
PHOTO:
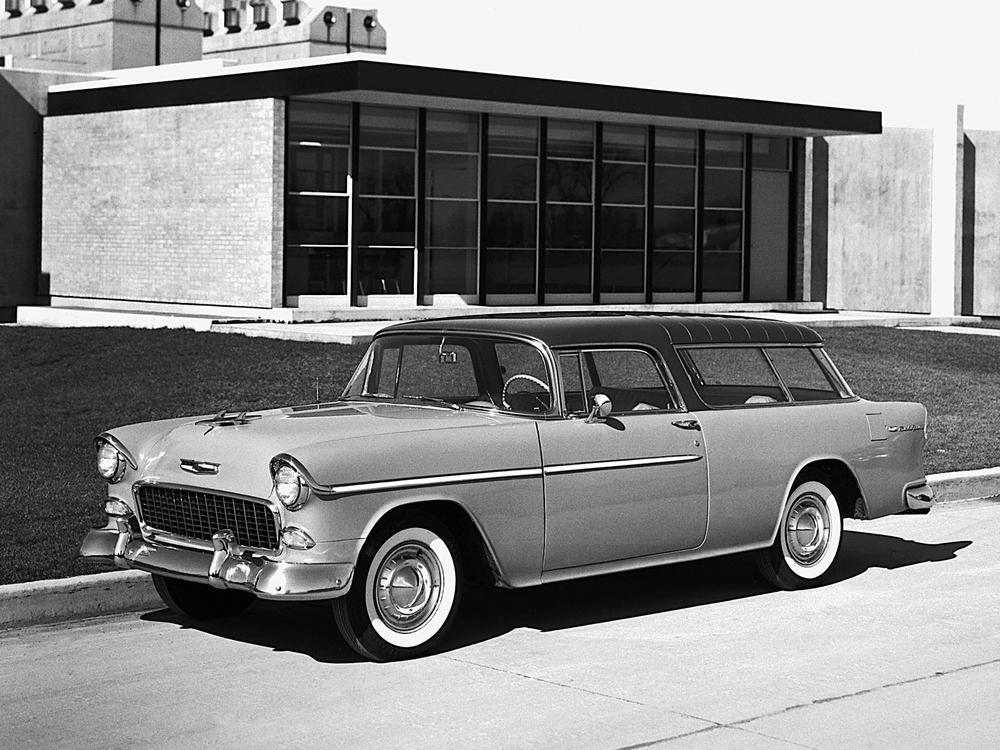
(878, 240)
(981, 241)
(173, 204)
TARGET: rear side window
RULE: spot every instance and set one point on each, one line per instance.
(731, 376)
(803, 375)
(745, 375)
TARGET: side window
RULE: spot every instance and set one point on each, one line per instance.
(573, 395)
(629, 377)
(803, 375)
(526, 386)
(731, 376)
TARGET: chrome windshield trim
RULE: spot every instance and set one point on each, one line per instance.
(400, 484)
(626, 463)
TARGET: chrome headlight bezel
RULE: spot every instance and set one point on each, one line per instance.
(290, 486)
(111, 462)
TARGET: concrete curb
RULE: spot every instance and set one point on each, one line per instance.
(40, 602)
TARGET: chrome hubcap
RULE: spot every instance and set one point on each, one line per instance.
(807, 529)
(408, 587)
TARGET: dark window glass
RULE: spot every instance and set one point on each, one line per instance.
(673, 229)
(386, 173)
(510, 271)
(623, 227)
(723, 150)
(452, 271)
(513, 135)
(569, 372)
(628, 377)
(452, 223)
(770, 153)
(624, 143)
(315, 270)
(673, 271)
(511, 225)
(512, 178)
(674, 186)
(452, 176)
(569, 227)
(567, 271)
(724, 188)
(316, 220)
(723, 231)
(723, 271)
(570, 139)
(453, 131)
(319, 123)
(385, 221)
(623, 271)
(623, 183)
(317, 170)
(569, 181)
(384, 127)
(385, 270)
(676, 146)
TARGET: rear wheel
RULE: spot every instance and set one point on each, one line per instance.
(406, 590)
(808, 538)
(199, 600)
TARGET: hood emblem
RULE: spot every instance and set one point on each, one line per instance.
(199, 467)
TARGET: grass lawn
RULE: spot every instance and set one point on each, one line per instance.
(61, 387)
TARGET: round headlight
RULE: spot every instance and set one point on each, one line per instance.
(288, 486)
(110, 463)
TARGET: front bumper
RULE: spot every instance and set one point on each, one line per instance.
(227, 567)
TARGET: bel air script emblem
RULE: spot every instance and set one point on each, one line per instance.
(199, 467)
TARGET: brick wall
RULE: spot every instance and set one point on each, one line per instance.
(172, 204)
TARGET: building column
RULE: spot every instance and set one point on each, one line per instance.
(946, 212)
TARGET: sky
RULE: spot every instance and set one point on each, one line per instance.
(910, 60)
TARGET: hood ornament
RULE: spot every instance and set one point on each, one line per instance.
(199, 467)
(228, 419)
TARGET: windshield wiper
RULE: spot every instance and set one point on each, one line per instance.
(433, 400)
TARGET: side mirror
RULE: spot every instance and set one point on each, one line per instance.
(601, 408)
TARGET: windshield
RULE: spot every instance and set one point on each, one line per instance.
(455, 371)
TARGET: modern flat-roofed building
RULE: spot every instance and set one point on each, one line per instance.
(351, 181)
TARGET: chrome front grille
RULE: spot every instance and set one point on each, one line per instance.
(195, 514)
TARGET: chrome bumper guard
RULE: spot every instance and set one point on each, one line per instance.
(228, 566)
(919, 498)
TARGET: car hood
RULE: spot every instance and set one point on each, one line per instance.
(342, 440)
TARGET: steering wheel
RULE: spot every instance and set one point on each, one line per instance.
(530, 379)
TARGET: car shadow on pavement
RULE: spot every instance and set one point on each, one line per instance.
(487, 612)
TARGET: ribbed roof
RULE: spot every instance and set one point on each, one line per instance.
(588, 328)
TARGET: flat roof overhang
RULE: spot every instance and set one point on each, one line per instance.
(377, 81)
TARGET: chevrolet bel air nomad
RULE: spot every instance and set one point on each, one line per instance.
(511, 450)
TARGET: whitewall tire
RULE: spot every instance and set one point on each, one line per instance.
(808, 538)
(406, 590)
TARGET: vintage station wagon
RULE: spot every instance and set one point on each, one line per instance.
(513, 450)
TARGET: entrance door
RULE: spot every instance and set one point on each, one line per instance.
(769, 237)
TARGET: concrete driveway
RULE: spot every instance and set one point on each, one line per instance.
(902, 651)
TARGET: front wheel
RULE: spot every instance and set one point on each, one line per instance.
(406, 590)
(808, 538)
(200, 601)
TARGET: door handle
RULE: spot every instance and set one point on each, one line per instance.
(687, 424)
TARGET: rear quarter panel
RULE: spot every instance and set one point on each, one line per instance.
(755, 454)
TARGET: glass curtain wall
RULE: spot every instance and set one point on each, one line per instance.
(675, 196)
(722, 223)
(451, 242)
(316, 205)
(623, 214)
(511, 251)
(569, 212)
(385, 203)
